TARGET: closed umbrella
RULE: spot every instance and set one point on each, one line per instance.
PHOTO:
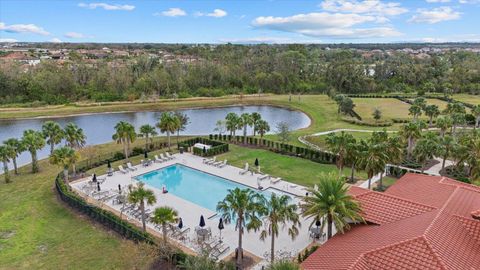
(145, 154)
(119, 188)
(202, 221)
(109, 165)
(98, 186)
(220, 227)
(256, 162)
(180, 223)
(94, 179)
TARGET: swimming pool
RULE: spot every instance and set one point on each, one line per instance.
(199, 187)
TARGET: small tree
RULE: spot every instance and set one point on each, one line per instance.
(377, 114)
(220, 127)
(53, 133)
(262, 127)
(33, 142)
(74, 136)
(65, 157)
(283, 132)
(183, 120)
(164, 216)
(18, 147)
(139, 194)
(432, 111)
(6, 152)
(168, 123)
(147, 131)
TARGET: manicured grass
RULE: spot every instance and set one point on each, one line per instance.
(390, 108)
(320, 140)
(442, 105)
(471, 99)
(292, 169)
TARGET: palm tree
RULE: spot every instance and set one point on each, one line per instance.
(147, 131)
(471, 153)
(280, 212)
(426, 148)
(444, 123)
(232, 123)
(74, 136)
(6, 152)
(33, 141)
(168, 123)
(432, 111)
(446, 147)
(141, 195)
(262, 127)
(65, 157)
(53, 133)
(415, 110)
(332, 200)
(17, 145)
(184, 121)
(411, 132)
(338, 144)
(256, 117)
(352, 156)
(124, 134)
(457, 111)
(163, 216)
(245, 121)
(373, 159)
(476, 113)
(244, 206)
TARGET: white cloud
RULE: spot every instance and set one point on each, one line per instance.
(217, 13)
(7, 40)
(435, 15)
(23, 28)
(336, 25)
(172, 12)
(455, 38)
(368, 7)
(76, 35)
(469, 1)
(107, 6)
(56, 40)
(437, 1)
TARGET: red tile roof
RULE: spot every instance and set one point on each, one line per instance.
(424, 222)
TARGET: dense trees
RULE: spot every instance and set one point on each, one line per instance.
(233, 69)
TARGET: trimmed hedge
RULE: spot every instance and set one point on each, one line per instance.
(363, 123)
(216, 149)
(281, 148)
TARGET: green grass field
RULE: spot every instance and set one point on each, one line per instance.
(390, 108)
(471, 99)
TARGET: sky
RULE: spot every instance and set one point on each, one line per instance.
(240, 21)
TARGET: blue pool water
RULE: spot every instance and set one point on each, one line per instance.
(201, 188)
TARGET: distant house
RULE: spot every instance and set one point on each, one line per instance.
(421, 222)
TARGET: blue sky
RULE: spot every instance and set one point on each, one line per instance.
(240, 21)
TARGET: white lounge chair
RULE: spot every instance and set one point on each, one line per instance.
(211, 161)
(223, 164)
(122, 170)
(244, 171)
(167, 154)
(157, 159)
(130, 167)
(263, 177)
(275, 180)
(217, 163)
(164, 158)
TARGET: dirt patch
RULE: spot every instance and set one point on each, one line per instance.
(249, 260)
(42, 248)
(7, 234)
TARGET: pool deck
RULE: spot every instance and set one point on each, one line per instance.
(190, 212)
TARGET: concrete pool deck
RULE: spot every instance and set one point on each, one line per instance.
(190, 212)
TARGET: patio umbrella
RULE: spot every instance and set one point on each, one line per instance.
(180, 223)
(318, 223)
(98, 186)
(119, 188)
(220, 227)
(94, 179)
(202, 221)
(204, 150)
(256, 162)
(109, 165)
(145, 154)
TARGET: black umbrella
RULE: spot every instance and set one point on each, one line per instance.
(145, 154)
(220, 227)
(256, 162)
(204, 150)
(94, 179)
(119, 188)
(318, 223)
(109, 165)
(98, 186)
(202, 221)
(180, 223)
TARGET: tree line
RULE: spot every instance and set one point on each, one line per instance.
(235, 69)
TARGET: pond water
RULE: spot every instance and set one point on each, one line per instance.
(99, 128)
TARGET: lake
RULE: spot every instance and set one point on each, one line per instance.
(99, 128)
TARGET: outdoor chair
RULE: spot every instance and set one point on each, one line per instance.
(121, 169)
(275, 180)
(167, 154)
(130, 167)
(244, 171)
(163, 158)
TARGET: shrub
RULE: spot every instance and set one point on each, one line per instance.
(138, 151)
(118, 156)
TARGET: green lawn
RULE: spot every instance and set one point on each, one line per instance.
(390, 108)
(293, 169)
(471, 99)
(320, 140)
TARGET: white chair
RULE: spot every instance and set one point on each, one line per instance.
(223, 164)
(211, 161)
(157, 159)
(244, 171)
(217, 163)
(275, 180)
(167, 154)
(163, 158)
(263, 177)
(130, 167)
(122, 170)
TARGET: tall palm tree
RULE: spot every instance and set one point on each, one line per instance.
(168, 123)
(416, 111)
(262, 127)
(338, 145)
(124, 134)
(139, 194)
(446, 147)
(426, 148)
(33, 141)
(53, 133)
(75, 136)
(184, 121)
(6, 152)
(432, 111)
(476, 113)
(232, 123)
(471, 153)
(256, 117)
(374, 159)
(65, 157)
(411, 132)
(352, 156)
(280, 212)
(456, 111)
(245, 122)
(331, 200)
(444, 123)
(18, 147)
(245, 207)
(163, 216)
(147, 131)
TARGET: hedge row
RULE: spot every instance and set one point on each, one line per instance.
(216, 149)
(281, 148)
(363, 123)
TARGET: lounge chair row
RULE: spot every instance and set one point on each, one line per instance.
(213, 161)
(131, 168)
(161, 158)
